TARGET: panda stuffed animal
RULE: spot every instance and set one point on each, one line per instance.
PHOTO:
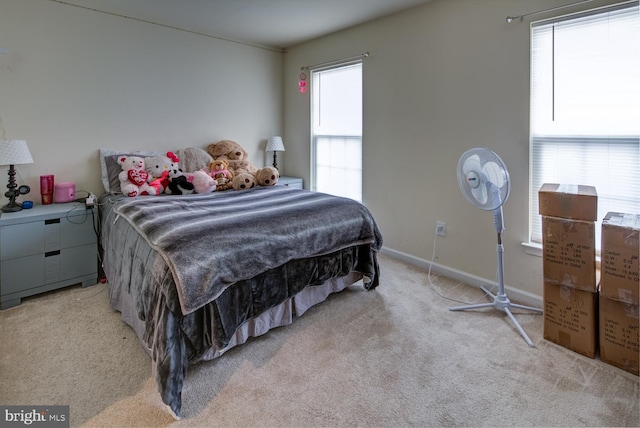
(179, 184)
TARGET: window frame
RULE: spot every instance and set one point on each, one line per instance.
(313, 185)
(533, 246)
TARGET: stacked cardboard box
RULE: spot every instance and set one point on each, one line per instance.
(619, 291)
(570, 294)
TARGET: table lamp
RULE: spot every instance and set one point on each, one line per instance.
(275, 144)
(14, 152)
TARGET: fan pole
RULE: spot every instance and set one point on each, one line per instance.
(500, 300)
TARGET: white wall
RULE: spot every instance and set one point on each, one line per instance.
(77, 80)
(440, 79)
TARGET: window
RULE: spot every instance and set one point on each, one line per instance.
(337, 131)
(585, 108)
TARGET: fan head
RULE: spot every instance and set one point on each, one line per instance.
(483, 178)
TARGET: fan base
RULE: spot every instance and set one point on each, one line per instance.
(502, 302)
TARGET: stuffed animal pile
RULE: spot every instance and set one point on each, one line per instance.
(245, 174)
(227, 168)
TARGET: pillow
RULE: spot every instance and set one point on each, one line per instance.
(193, 159)
(110, 168)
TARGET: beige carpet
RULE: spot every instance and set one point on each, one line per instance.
(395, 356)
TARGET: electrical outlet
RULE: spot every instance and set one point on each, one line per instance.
(441, 228)
(90, 201)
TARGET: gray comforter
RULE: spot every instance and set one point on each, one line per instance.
(199, 266)
(212, 241)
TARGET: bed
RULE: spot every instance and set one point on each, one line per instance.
(195, 275)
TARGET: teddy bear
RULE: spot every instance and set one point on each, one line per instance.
(134, 178)
(219, 170)
(227, 149)
(203, 182)
(236, 156)
(233, 153)
(179, 183)
(243, 180)
(158, 168)
(267, 176)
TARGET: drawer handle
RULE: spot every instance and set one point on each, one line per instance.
(52, 253)
(52, 221)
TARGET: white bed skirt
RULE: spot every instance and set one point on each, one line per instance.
(277, 316)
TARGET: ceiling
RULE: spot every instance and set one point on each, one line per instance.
(275, 24)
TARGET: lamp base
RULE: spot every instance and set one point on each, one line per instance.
(12, 208)
(13, 192)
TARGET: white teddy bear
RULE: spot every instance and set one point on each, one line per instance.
(133, 177)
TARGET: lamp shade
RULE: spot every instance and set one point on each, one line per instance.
(275, 144)
(14, 152)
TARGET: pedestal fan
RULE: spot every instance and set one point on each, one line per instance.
(484, 180)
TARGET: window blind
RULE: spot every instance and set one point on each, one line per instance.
(585, 107)
(337, 130)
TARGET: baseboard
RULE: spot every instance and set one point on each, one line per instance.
(514, 294)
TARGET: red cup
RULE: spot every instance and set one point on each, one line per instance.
(46, 189)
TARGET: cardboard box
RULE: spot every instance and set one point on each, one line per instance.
(619, 334)
(620, 251)
(571, 318)
(569, 253)
(572, 201)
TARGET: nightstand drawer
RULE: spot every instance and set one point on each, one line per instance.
(25, 239)
(22, 240)
(69, 263)
(22, 274)
(294, 182)
(47, 268)
(77, 230)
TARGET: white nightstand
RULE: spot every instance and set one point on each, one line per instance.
(45, 248)
(294, 182)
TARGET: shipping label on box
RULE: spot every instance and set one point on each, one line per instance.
(620, 334)
(571, 201)
(570, 318)
(620, 251)
(569, 253)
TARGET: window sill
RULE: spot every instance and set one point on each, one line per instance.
(532, 248)
(535, 249)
